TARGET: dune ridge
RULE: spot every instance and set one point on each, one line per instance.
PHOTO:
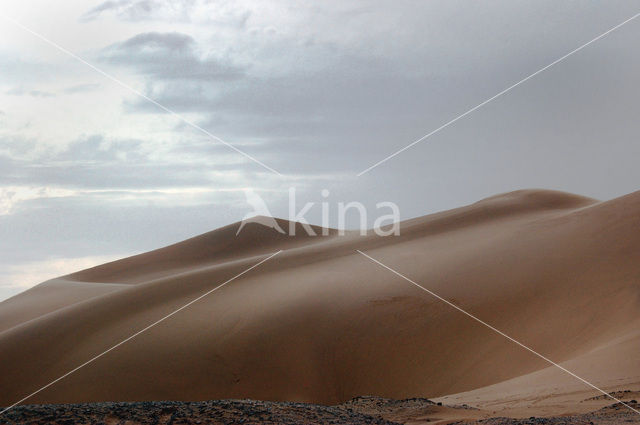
(320, 323)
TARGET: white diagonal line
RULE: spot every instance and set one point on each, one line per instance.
(137, 92)
(498, 95)
(138, 333)
(498, 331)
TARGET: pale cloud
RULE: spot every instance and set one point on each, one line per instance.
(20, 68)
(136, 10)
(20, 91)
(82, 88)
(221, 12)
(11, 196)
(169, 56)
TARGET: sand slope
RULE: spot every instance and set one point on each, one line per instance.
(321, 323)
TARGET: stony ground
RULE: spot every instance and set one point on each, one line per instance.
(610, 415)
(222, 412)
(359, 411)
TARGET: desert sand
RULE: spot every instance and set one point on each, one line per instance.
(320, 323)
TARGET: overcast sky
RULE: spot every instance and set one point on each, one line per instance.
(319, 91)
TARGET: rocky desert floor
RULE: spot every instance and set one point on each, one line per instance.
(360, 410)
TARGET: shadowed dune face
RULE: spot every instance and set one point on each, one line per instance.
(321, 323)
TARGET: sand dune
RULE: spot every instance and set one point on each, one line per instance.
(321, 323)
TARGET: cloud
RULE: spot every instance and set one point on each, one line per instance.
(19, 91)
(10, 196)
(81, 88)
(220, 12)
(328, 107)
(96, 148)
(120, 171)
(14, 147)
(19, 68)
(99, 169)
(169, 56)
(138, 10)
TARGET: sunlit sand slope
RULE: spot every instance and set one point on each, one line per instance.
(322, 323)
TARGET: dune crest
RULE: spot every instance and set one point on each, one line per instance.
(321, 323)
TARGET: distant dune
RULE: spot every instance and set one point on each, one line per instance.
(321, 323)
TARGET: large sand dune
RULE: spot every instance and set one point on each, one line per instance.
(321, 323)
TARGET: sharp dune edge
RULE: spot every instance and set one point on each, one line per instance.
(320, 323)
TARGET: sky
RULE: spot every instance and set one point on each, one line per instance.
(93, 167)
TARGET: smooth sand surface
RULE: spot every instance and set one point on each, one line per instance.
(321, 323)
